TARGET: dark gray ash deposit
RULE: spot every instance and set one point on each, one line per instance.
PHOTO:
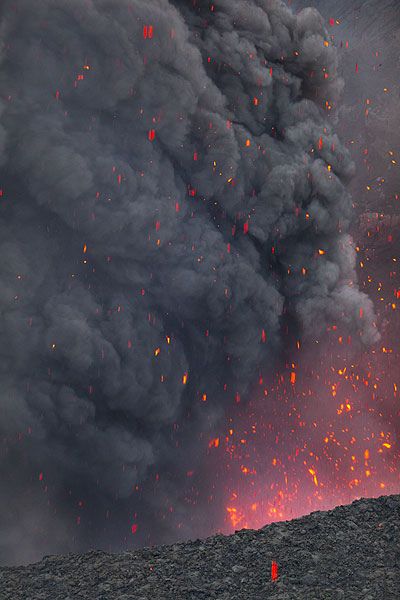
(349, 553)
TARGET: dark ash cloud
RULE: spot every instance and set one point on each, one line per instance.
(161, 195)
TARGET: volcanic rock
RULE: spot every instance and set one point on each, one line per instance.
(351, 552)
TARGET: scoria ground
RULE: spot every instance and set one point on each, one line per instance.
(351, 552)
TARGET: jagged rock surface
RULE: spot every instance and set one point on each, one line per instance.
(351, 552)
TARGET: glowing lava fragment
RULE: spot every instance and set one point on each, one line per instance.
(134, 528)
(148, 32)
(151, 135)
(274, 571)
(214, 443)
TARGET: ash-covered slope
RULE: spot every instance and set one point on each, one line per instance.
(351, 552)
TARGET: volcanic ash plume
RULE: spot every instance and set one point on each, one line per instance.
(172, 195)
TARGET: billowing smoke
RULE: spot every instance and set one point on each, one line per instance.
(173, 202)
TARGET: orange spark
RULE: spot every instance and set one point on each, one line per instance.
(214, 443)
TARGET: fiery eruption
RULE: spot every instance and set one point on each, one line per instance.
(176, 255)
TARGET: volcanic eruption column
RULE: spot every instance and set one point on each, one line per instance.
(172, 194)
